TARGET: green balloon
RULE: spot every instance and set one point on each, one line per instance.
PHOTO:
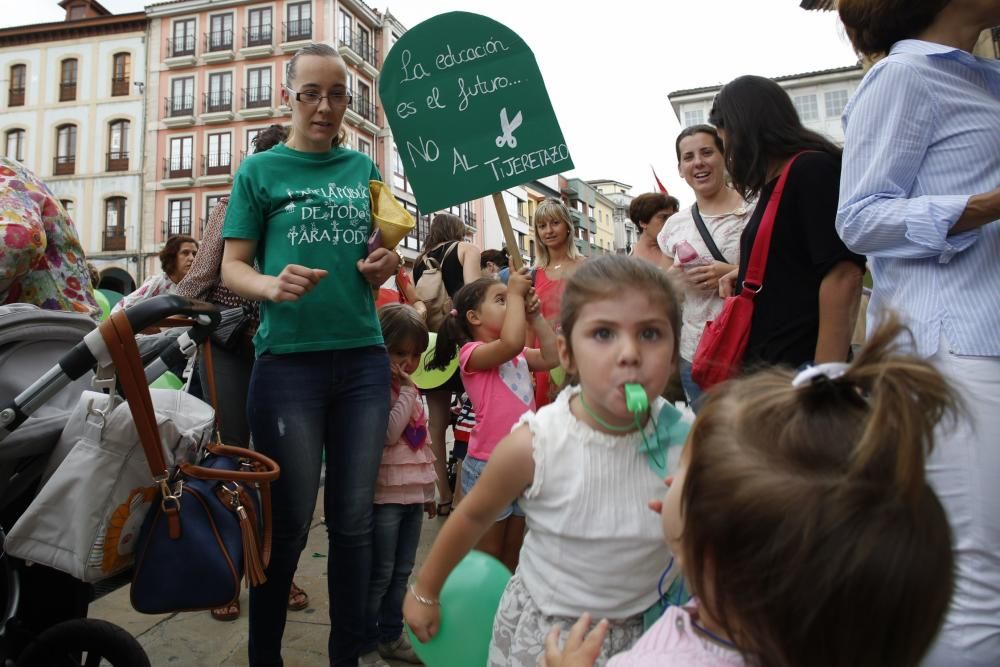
(167, 381)
(428, 379)
(102, 301)
(469, 601)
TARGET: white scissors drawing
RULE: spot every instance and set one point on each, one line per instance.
(508, 127)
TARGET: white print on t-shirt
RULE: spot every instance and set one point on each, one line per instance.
(515, 376)
(326, 210)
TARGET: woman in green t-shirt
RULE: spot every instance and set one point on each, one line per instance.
(301, 212)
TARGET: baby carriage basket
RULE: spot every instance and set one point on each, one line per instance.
(42, 611)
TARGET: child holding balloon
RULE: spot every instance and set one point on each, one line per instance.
(489, 321)
(580, 471)
(803, 520)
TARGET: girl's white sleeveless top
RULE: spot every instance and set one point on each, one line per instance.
(592, 545)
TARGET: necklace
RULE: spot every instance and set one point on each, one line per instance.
(610, 427)
(711, 635)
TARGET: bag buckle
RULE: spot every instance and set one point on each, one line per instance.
(233, 493)
(753, 289)
(168, 495)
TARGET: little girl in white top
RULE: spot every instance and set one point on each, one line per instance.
(802, 519)
(578, 470)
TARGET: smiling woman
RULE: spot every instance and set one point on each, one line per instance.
(321, 381)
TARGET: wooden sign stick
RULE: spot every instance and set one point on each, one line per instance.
(513, 250)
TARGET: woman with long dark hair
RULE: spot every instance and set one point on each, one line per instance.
(812, 283)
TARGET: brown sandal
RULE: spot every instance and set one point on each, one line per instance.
(229, 612)
(298, 599)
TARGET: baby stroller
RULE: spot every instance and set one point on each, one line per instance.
(43, 611)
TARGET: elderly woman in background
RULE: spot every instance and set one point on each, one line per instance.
(919, 195)
(176, 259)
(649, 212)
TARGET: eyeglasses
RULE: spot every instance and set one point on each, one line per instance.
(311, 97)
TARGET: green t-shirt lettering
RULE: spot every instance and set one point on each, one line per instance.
(312, 209)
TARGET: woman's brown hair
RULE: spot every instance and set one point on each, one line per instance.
(810, 531)
(607, 277)
(645, 206)
(445, 228)
(873, 26)
(168, 255)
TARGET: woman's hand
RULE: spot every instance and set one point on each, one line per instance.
(727, 284)
(580, 650)
(423, 619)
(293, 282)
(378, 266)
(431, 508)
(707, 277)
(520, 282)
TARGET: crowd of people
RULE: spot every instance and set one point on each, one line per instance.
(828, 506)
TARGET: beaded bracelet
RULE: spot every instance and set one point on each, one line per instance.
(422, 600)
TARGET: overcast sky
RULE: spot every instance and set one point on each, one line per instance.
(609, 67)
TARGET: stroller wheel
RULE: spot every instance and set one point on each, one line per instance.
(84, 641)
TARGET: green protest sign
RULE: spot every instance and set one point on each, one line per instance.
(468, 110)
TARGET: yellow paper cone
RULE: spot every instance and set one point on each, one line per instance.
(394, 221)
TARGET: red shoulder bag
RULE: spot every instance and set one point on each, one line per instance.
(724, 341)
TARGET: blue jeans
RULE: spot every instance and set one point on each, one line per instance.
(397, 533)
(694, 393)
(298, 406)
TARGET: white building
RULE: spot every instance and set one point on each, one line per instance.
(620, 195)
(819, 97)
(72, 111)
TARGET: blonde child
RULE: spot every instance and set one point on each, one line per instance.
(489, 322)
(804, 523)
(578, 469)
(404, 490)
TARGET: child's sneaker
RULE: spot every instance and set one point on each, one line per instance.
(399, 649)
(372, 659)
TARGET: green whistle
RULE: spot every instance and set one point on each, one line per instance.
(635, 399)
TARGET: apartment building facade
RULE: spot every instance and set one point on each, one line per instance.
(72, 111)
(619, 194)
(819, 97)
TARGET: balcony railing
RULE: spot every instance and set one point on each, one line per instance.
(64, 165)
(216, 163)
(178, 167)
(217, 100)
(361, 43)
(117, 161)
(219, 40)
(181, 46)
(470, 219)
(257, 35)
(114, 238)
(67, 91)
(256, 98)
(294, 31)
(180, 105)
(15, 97)
(176, 227)
(364, 107)
(119, 87)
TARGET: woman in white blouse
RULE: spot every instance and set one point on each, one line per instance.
(700, 162)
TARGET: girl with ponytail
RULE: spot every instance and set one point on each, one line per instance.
(804, 525)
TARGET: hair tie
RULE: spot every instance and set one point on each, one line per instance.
(829, 371)
(453, 312)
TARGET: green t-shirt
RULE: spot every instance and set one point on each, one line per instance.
(312, 209)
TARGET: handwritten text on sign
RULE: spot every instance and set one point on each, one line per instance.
(468, 110)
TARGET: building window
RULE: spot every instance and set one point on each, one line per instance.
(363, 45)
(67, 80)
(398, 176)
(258, 30)
(15, 145)
(219, 158)
(118, 146)
(178, 218)
(179, 163)
(65, 160)
(346, 28)
(365, 146)
(211, 202)
(694, 117)
(807, 107)
(299, 25)
(835, 101)
(220, 92)
(181, 100)
(15, 95)
(184, 38)
(251, 138)
(258, 90)
(114, 223)
(362, 104)
(220, 32)
(120, 74)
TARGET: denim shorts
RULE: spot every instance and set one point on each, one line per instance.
(471, 470)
